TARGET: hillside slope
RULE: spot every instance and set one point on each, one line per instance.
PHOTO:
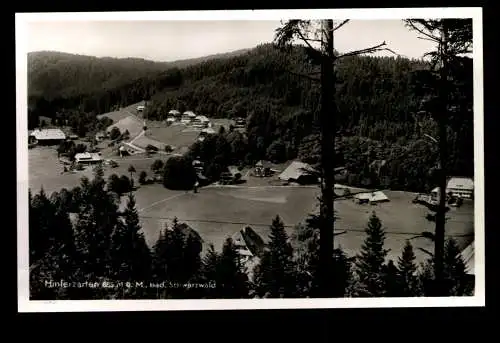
(54, 75)
(379, 115)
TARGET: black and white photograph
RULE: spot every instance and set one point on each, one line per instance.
(250, 159)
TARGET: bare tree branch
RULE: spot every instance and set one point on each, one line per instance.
(364, 51)
(305, 40)
(425, 38)
(412, 25)
(340, 25)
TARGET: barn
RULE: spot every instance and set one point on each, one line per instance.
(299, 172)
(46, 137)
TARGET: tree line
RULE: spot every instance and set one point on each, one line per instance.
(378, 99)
(84, 246)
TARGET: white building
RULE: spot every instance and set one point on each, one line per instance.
(371, 197)
(462, 187)
(88, 158)
(46, 136)
(241, 247)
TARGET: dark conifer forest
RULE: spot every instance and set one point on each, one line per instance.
(383, 107)
(384, 113)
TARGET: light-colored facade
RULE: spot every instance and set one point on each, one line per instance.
(88, 158)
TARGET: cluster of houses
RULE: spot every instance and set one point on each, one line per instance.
(188, 118)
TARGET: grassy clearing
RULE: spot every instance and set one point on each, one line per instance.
(174, 135)
(258, 206)
(401, 217)
(44, 170)
(233, 206)
(129, 123)
(116, 116)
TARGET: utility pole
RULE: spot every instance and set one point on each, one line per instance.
(327, 122)
(441, 119)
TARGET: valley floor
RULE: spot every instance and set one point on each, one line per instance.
(217, 212)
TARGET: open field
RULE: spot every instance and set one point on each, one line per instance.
(122, 113)
(217, 212)
(144, 140)
(45, 170)
(116, 116)
(133, 125)
(235, 207)
(175, 135)
(404, 219)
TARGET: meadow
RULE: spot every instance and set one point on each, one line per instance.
(217, 212)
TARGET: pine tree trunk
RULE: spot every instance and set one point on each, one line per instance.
(327, 154)
(441, 213)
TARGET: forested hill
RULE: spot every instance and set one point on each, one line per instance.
(54, 75)
(380, 110)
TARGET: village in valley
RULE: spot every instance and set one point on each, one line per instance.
(271, 185)
(198, 160)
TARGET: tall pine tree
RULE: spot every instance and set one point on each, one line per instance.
(96, 222)
(210, 265)
(275, 275)
(51, 247)
(370, 262)
(130, 255)
(407, 272)
(177, 259)
(456, 281)
(231, 279)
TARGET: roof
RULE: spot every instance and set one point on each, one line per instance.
(202, 118)
(462, 183)
(87, 156)
(48, 134)
(468, 257)
(208, 130)
(189, 113)
(378, 196)
(238, 239)
(244, 252)
(295, 170)
(174, 112)
(372, 196)
(234, 170)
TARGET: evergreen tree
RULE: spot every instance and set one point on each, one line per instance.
(456, 282)
(391, 279)
(97, 220)
(51, 248)
(407, 272)
(370, 262)
(210, 265)
(307, 259)
(130, 256)
(177, 258)
(231, 280)
(455, 274)
(275, 275)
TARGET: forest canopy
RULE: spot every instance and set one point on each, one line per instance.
(382, 113)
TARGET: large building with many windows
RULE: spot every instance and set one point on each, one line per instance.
(46, 137)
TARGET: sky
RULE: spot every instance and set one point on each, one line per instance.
(174, 40)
